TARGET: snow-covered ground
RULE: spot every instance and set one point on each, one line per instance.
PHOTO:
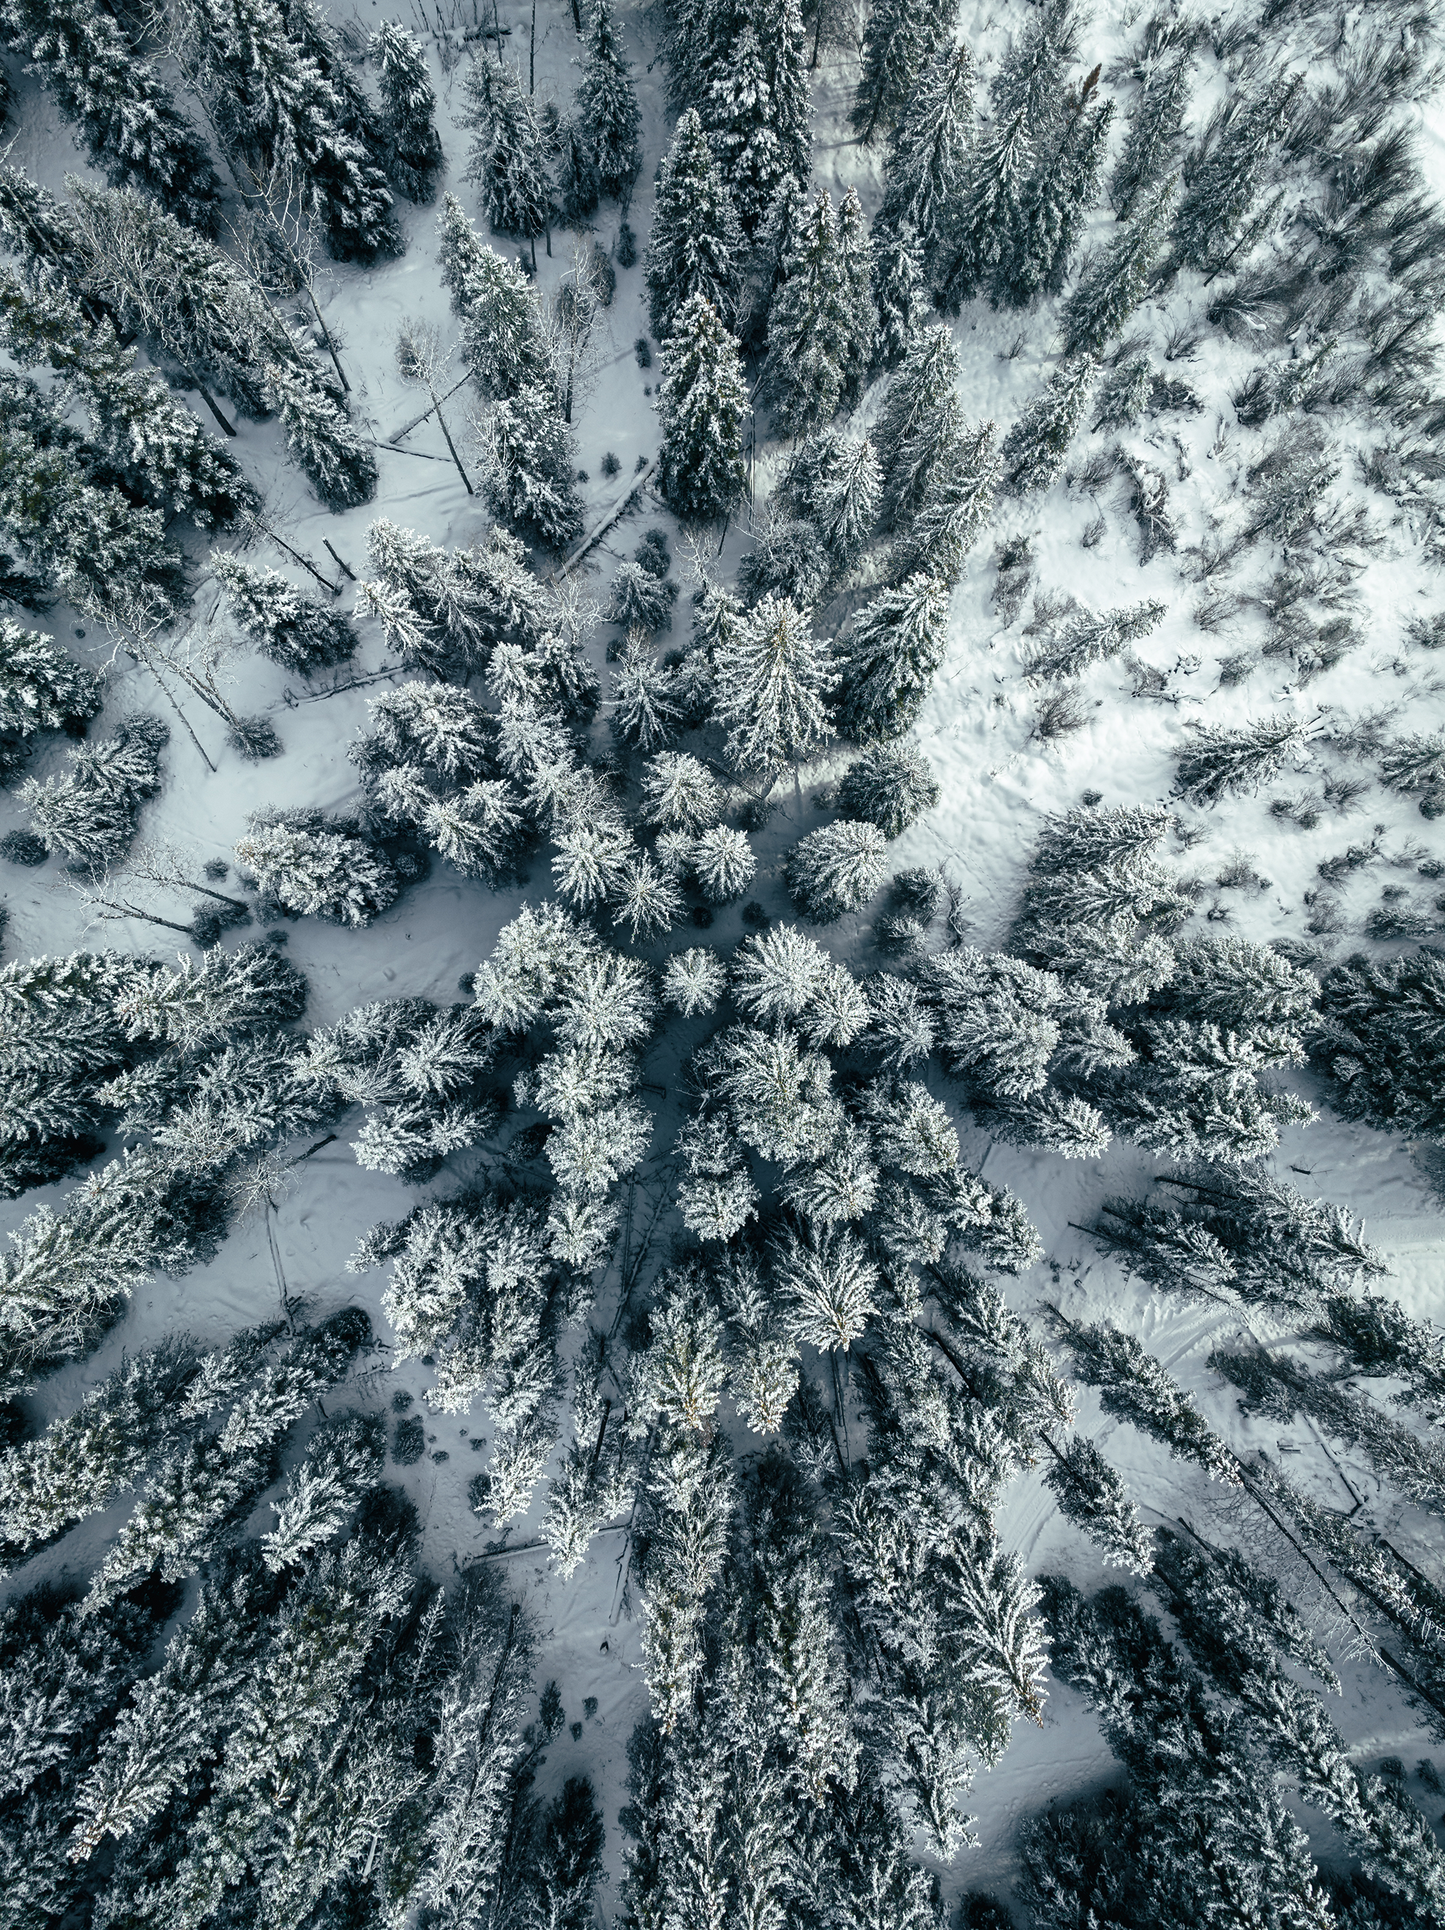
(997, 780)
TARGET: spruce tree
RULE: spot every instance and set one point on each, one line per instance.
(530, 468)
(919, 424)
(694, 245)
(1064, 183)
(702, 408)
(579, 187)
(927, 155)
(1382, 1040)
(408, 109)
(773, 677)
(898, 291)
(855, 252)
(124, 114)
(1090, 1494)
(888, 655)
(785, 54)
(1108, 294)
(1034, 449)
(89, 813)
(984, 233)
(607, 107)
(504, 333)
(1134, 1386)
(286, 626)
(41, 688)
(319, 439)
(738, 115)
(890, 786)
(810, 339)
(508, 157)
(896, 42)
(957, 500)
(318, 866)
(1215, 221)
(836, 869)
(1151, 142)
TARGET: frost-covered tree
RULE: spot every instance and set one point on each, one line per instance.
(319, 438)
(1215, 220)
(408, 110)
(695, 242)
(927, 155)
(318, 866)
(529, 469)
(1218, 761)
(723, 863)
(829, 1282)
(1151, 140)
(898, 292)
(772, 677)
(702, 408)
(1064, 184)
(888, 655)
(1091, 1495)
(919, 424)
(889, 786)
(957, 500)
(1034, 449)
(607, 107)
(833, 484)
(41, 688)
(896, 41)
(291, 629)
(124, 114)
(984, 232)
(1133, 1386)
(89, 813)
(446, 610)
(694, 980)
(1382, 1038)
(836, 869)
(1093, 636)
(508, 157)
(737, 109)
(505, 338)
(812, 326)
(679, 793)
(1110, 291)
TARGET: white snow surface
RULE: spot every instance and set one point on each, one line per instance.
(997, 783)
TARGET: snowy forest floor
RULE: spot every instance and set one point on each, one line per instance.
(997, 781)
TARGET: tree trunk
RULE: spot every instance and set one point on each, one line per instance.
(210, 401)
(452, 446)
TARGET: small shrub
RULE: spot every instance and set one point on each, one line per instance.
(255, 738)
(610, 465)
(642, 349)
(23, 847)
(625, 254)
(409, 1442)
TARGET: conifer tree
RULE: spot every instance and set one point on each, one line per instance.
(811, 342)
(738, 115)
(318, 866)
(927, 155)
(1382, 1040)
(320, 440)
(90, 812)
(695, 242)
(124, 114)
(702, 407)
(607, 107)
(889, 786)
(957, 500)
(888, 655)
(772, 679)
(896, 42)
(985, 231)
(1090, 1494)
(1064, 183)
(1219, 762)
(504, 335)
(785, 56)
(898, 291)
(529, 474)
(41, 688)
(855, 253)
(1109, 293)
(291, 629)
(1152, 140)
(919, 424)
(1214, 222)
(1135, 1387)
(408, 108)
(508, 157)
(280, 98)
(1034, 449)
(836, 869)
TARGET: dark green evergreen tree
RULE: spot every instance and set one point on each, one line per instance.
(695, 241)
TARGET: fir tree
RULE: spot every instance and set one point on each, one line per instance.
(607, 107)
(579, 187)
(289, 628)
(530, 469)
(896, 42)
(1109, 293)
(702, 408)
(1090, 1494)
(723, 863)
(986, 228)
(898, 291)
(317, 866)
(835, 869)
(504, 334)
(1223, 176)
(738, 114)
(341, 469)
(887, 658)
(1382, 1040)
(695, 241)
(833, 484)
(784, 43)
(1220, 762)
(772, 679)
(41, 688)
(927, 154)
(124, 114)
(1065, 181)
(1034, 449)
(408, 108)
(855, 253)
(693, 981)
(1136, 1388)
(679, 793)
(811, 343)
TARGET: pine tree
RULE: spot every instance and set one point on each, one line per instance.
(341, 469)
(1034, 449)
(1109, 293)
(607, 107)
(1220, 762)
(1090, 1494)
(508, 157)
(810, 337)
(530, 468)
(702, 407)
(927, 155)
(504, 334)
(772, 679)
(1382, 1040)
(41, 688)
(723, 863)
(835, 869)
(1152, 141)
(123, 112)
(680, 793)
(1135, 1387)
(1063, 186)
(984, 233)
(888, 655)
(898, 291)
(90, 812)
(896, 42)
(291, 629)
(694, 246)
(738, 115)
(317, 866)
(408, 108)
